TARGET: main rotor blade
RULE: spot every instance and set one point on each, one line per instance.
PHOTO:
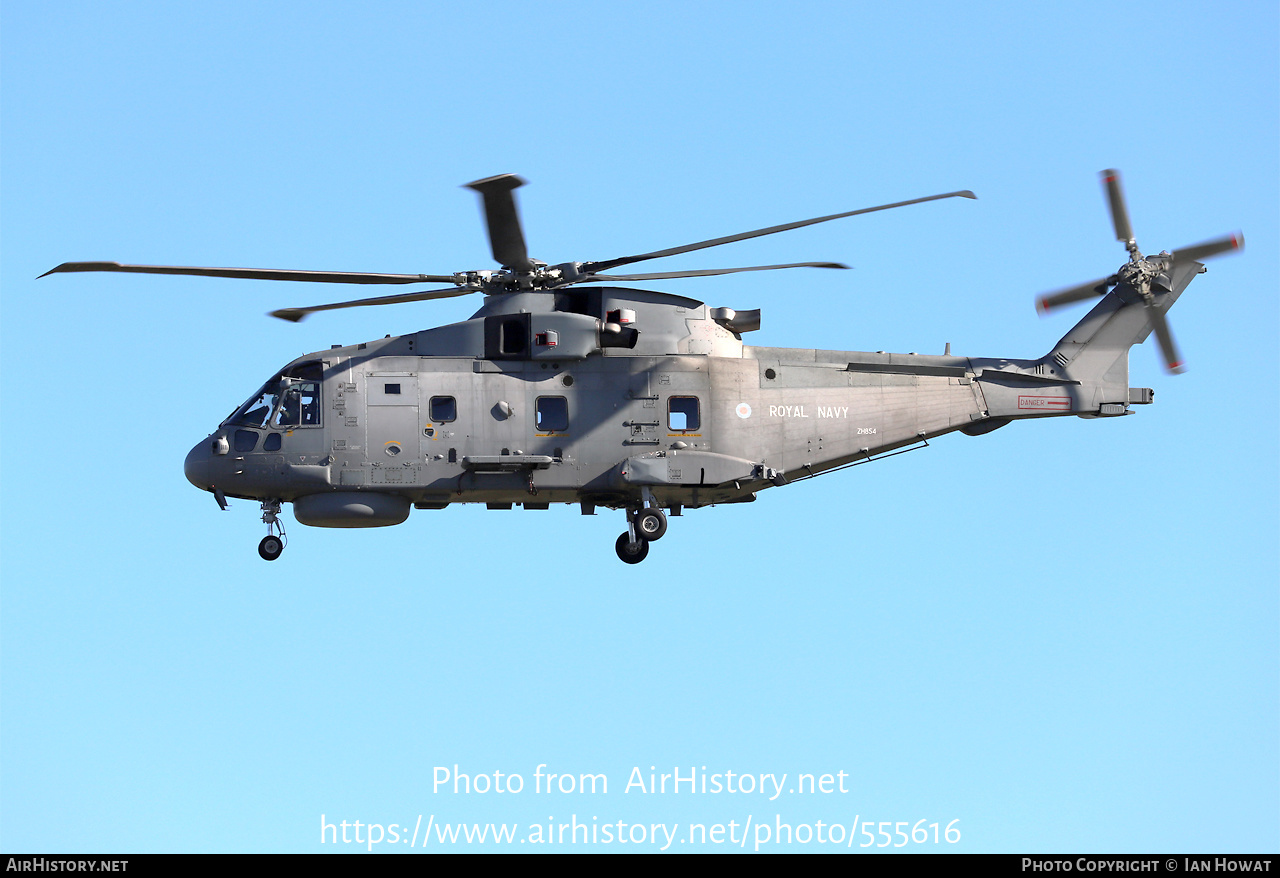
(1091, 290)
(295, 314)
(1115, 198)
(329, 277)
(1172, 359)
(666, 275)
(1197, 252)
(505, 237)
(605, 265)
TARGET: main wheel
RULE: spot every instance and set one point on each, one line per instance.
(651, 524)
(632, 553)
(270, 548)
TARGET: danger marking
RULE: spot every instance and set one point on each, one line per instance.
(1044, 403)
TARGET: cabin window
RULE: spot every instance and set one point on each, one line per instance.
(391, 389)
(444, 408)
(272, 443)
(551, 414)
(682, 413)
(245, 440)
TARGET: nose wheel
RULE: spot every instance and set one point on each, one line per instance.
(644, 526)
(270, 548)
(272, 545)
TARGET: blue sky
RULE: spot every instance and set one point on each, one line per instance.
(1065, 635)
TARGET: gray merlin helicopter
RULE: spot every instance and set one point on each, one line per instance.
(566, 388)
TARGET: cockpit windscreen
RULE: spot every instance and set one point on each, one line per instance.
(290, 399)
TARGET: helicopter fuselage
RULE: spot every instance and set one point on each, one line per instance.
(610, 397)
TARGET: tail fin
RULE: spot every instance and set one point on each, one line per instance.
(1096, 350)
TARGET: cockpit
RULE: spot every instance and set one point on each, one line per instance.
(290, 399)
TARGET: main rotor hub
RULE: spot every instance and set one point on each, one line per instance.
(541, 277)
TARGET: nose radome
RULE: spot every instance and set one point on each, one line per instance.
(196, 466)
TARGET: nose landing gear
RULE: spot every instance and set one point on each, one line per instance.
(271, 546)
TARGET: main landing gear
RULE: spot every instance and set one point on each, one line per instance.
(631, 551)
(271, 546)
(644, 526)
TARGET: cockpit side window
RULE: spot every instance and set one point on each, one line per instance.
(299, 405)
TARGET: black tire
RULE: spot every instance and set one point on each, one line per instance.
(631, 553)
(651, 524)
(270, 548)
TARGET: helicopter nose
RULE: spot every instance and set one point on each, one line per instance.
(196, 466)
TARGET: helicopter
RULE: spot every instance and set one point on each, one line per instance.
(566, 388)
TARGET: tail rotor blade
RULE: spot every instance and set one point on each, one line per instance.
(1169, 350)
(1091, 290)
(1115, 197)
(1216, 247)
(505, 236)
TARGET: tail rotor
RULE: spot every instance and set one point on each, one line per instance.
(1142, 278)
